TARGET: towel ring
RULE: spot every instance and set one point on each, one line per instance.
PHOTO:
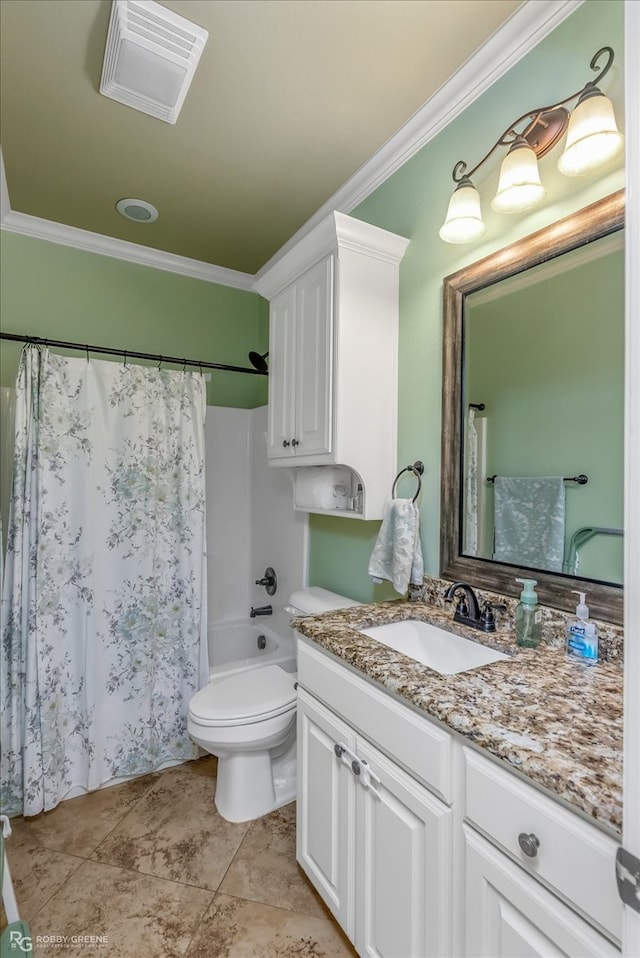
(417, 469)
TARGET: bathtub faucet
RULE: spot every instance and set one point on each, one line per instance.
(261, 610)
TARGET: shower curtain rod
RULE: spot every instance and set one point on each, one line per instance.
(130, 354)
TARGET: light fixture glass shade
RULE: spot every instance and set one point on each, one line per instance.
(519, 186)
(592, 138)
(464, 221)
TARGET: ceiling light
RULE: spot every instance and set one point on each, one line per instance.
(150, 57)
(137, 210)
(593, 141)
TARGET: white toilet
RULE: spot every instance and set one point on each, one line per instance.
(248, 720)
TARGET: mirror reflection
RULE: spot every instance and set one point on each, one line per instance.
(532, 404)
(543, 414)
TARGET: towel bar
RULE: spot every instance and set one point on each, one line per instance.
(417, 469)
(582, 480)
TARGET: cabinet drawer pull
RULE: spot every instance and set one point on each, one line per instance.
(294, 442)
(529, 844)
(355, 767)
(338, 749)
(285, 443)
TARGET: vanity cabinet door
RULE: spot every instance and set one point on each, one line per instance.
(508, 914)
(403, 863)
(326, 807)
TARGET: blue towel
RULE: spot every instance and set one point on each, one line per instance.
(397, 554)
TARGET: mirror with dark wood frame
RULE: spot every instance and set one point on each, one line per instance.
(579, 231)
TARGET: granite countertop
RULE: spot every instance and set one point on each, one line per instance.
(556, 720)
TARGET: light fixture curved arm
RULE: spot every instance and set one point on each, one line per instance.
(592, 141)
(537, 118)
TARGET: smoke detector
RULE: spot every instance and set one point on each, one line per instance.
(150, 57)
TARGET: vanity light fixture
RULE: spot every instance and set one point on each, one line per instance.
(593, 140)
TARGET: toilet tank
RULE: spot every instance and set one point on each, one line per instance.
(314, 600)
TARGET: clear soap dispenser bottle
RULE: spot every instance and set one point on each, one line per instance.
(582, 633)
(528, 616)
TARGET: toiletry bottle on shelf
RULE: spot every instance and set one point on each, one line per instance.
(582, 633)
(528, 616)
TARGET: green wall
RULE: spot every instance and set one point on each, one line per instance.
(62, 293)
(548, 363)
(413, 203)
(55, 291)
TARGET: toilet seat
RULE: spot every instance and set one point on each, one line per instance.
(245, 697)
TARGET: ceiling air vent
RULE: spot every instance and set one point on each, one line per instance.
(150, 57)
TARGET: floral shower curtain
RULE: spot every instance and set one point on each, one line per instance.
(104, 599)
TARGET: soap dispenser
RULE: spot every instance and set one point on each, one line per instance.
(528, 616)
(582, 633)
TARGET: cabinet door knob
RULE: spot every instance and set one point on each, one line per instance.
(285, 443)
(294, 442)
(355, 767)
(529, 844)
(338, 749)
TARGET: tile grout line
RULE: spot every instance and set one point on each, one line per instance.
(59, 889)
(127, 813)
(190, 933)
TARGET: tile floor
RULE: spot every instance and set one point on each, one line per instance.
(152, 866)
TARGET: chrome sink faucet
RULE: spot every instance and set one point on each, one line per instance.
(468, 608)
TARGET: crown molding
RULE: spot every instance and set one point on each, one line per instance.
(38, 228)
(5, 205)
(119, 249)
(530, 24)
(336, 232)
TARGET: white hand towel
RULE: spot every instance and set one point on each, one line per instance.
(397, 554)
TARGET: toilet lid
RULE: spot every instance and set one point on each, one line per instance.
(246, 696)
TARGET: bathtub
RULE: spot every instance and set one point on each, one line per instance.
(234, 646)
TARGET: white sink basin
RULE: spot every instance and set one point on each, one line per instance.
(442, 651)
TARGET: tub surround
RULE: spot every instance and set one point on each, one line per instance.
(555, 720)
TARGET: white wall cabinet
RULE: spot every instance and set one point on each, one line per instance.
(300, 342)
(373, 841)
(419, 853)
(333, 339)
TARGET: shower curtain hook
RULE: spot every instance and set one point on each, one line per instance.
(160, 363)
(184, 365)
(125, 358)
(87, 349)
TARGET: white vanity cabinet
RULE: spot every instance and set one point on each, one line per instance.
(549, 878)
(422, 846)
(374, 842)
(508, 913)
(333, 339)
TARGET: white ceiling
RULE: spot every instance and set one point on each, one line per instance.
(290, 99)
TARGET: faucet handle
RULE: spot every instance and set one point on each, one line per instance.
(462, 606)
(487, 618)
(269, 580)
